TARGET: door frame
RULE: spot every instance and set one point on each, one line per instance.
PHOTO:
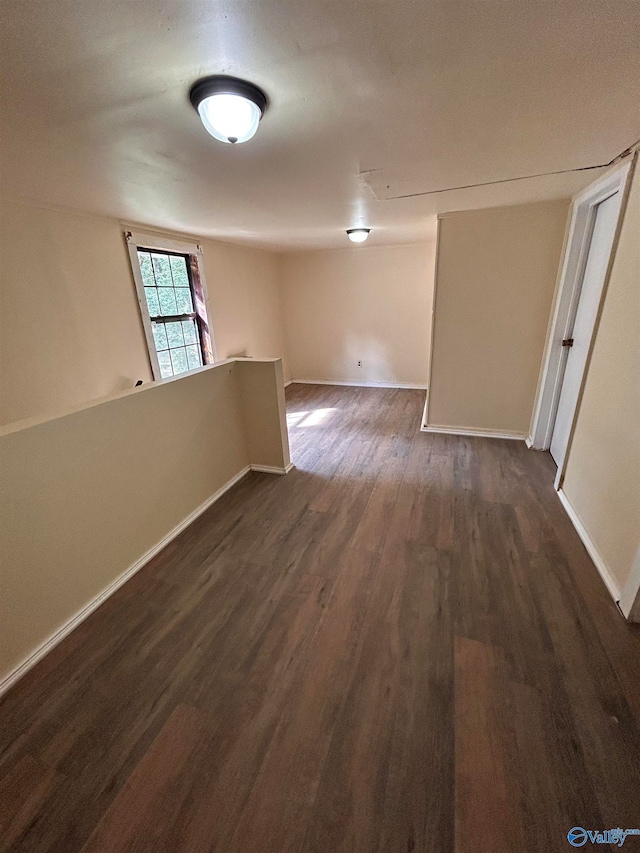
(582, 220)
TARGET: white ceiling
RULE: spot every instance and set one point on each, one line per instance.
(418, 95)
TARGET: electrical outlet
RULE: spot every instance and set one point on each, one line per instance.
(359, 364)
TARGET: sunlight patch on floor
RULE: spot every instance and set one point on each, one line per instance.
(307, 419)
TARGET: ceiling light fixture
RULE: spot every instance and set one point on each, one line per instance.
(230, 108)
(358, 235)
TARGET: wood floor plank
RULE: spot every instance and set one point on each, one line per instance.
(400, 646)
(140, 809)
(21, 792)
(287, 783)
(487, 808)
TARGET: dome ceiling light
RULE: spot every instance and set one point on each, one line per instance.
(358, 235)
(230, 108)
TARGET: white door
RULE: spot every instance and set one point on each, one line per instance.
(606, 218)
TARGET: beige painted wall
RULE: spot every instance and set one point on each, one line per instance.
(369, 304)
(262, 389)
(85, 495)
(244, 294)
(495, 279)
(602, 477)
(70, 327)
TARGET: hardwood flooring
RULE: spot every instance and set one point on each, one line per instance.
(402, 645)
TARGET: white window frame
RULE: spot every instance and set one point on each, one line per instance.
(136, 240)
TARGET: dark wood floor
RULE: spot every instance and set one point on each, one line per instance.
(400, 646)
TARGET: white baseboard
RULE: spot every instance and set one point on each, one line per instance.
(478, 433)
(270, 469)
(631, 590)
(407, 385)
(589, 544)
(288, 382)
(530, 442)
(38, 653)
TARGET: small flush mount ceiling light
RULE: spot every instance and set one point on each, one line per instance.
(358, 235)
(230, 108)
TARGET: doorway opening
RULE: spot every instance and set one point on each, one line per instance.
(592, 230)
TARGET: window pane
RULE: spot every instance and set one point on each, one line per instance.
(168, 293)
(146, 269)
(152, 300)
(179, 360)
(183, 300)
(174, 334)
(160, 336)
(179, 270)
(165, 364)
(193, 357)
(167, 301)
(162, 270)
(190, 331)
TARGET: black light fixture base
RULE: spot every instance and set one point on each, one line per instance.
(220, 84)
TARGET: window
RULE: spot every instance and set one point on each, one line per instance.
(169, 298)
(172, 297)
